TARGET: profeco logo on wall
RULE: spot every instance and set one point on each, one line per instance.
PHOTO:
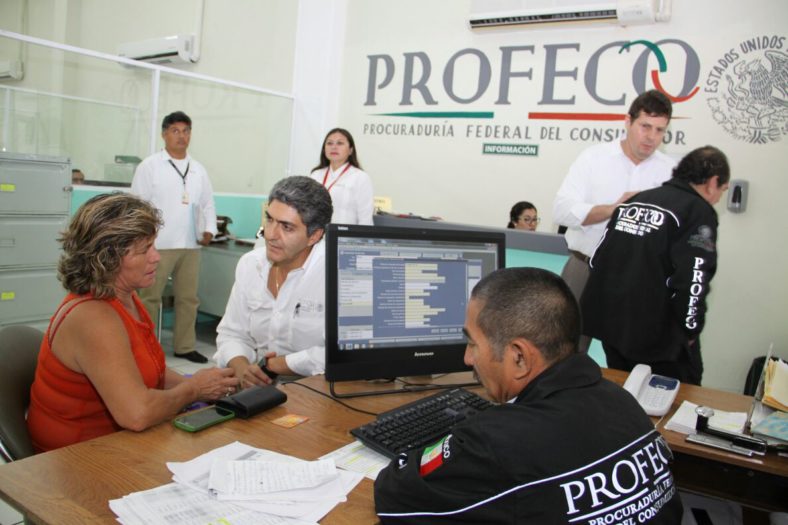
(747, 90)
(413, 83)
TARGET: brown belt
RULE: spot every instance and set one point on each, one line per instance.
(583, 257)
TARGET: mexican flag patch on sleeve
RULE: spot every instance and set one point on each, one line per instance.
(433, 456)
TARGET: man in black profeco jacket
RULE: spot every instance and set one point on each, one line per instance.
(563, 445)
(646, 296)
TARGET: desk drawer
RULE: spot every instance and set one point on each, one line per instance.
(28, 295)
(30, 241)
(31, 186)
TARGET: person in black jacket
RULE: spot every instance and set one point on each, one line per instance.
(563, 445)
(650, 274)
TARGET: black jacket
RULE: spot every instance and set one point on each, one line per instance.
(572, 445)
(650, 273)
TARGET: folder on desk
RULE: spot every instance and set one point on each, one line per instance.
(773, 428)
(775, 384)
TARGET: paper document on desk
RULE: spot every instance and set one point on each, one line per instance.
(263, 477)
(357, 457)
(311, 507)
(176, 504)
(684, 420)
(275, 481)
(773, 428)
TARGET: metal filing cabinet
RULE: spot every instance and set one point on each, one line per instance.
(35, 200)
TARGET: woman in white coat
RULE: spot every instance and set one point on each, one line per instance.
(340, 173)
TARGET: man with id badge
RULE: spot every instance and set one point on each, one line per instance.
(179, 187)
(274, 322)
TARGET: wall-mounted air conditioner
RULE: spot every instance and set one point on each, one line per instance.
(492, 13)
(11, 70)
(176, 49)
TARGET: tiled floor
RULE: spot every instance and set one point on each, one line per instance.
(206, 345)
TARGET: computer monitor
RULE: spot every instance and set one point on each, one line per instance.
(396, 298)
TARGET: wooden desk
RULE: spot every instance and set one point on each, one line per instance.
(74, 484)
(759, 482)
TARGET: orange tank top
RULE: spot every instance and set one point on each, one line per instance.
(65, 408)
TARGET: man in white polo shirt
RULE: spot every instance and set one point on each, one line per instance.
(604, 176)
(179, 187)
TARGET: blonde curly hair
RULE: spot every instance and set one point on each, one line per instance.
(99, 235)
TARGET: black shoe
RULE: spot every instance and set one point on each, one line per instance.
(194, 356)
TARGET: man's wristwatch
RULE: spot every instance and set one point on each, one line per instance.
(266, 370)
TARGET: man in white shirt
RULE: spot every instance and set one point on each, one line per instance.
(275, 318)
(179, 187)
(606, 175)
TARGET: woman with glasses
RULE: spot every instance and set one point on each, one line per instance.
(523, 216)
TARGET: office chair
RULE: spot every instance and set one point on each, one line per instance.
(19, 346)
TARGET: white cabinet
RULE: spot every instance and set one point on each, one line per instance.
(35, 200)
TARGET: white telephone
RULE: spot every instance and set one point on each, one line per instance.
(655, 393)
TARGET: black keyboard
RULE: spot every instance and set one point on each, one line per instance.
(420, 423)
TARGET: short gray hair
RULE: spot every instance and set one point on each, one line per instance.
(309, 198)
(531, 303)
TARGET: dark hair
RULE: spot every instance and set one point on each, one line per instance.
(531, 303)
(517, 210)
(99, 235)
(175, 117)
(352, 159)
(701, 164)
(309, 198)
(653, 103)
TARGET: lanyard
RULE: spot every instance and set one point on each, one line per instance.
(183, 175)
(325, 177)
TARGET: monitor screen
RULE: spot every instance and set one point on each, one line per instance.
(396, 298)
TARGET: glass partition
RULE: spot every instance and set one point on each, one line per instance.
(98, 112)
(241, 137)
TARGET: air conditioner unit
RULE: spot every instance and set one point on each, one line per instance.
(11, 70)
(176, 49)
(492, 13)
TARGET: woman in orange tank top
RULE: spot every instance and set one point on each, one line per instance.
(101, 368)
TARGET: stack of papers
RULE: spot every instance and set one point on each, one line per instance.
(238, 484)
(684, 420)
(274, 480)
(357, 457)
(775, 390)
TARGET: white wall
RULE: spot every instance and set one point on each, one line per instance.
(449, 177)
(317, 74)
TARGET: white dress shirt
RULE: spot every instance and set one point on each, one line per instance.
(292, 324)
(156, 181)
(351, 194)
(600, 175)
